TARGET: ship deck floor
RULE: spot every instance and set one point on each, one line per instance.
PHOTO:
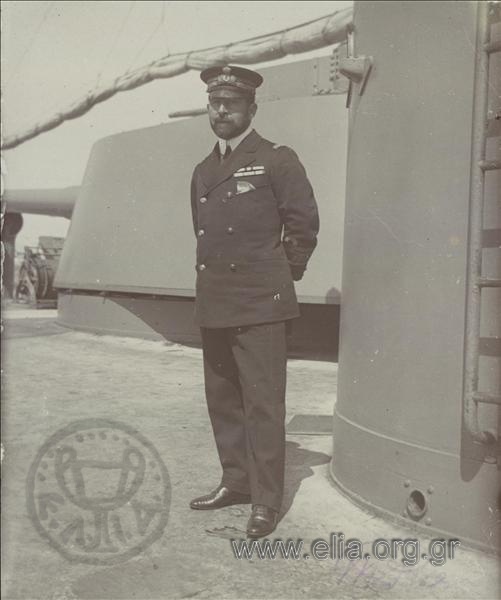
(54, 376)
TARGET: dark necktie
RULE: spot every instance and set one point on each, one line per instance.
(227, 153)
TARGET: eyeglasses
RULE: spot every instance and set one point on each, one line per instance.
(231, 104)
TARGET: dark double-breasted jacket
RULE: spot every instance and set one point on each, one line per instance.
(255, 218)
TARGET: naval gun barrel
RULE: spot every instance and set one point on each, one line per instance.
(55, 202)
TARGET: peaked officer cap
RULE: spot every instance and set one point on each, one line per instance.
(236, 78)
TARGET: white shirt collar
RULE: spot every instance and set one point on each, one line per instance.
(234, 141)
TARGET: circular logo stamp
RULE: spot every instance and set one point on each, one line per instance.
(98, 492)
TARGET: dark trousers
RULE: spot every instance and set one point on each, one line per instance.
(245, 378)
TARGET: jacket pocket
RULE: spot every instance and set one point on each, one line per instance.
(245, 185)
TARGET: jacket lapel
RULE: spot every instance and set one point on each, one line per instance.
(213, 172)
(208, 169)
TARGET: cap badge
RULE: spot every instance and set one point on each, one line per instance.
(226, 76)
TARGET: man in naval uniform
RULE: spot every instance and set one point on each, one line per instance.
(256, 222)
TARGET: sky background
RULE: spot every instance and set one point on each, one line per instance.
(54, 52)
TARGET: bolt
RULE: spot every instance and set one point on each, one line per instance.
(407, 483)
(428, 521)
(431, 489)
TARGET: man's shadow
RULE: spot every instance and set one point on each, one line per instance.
(299, 463)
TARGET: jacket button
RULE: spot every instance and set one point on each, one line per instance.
(203, 199)
(230, 230)
(229, 195)
(201, 267)
(201, 232)
(233, 267)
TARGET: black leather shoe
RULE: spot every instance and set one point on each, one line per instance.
(262, 522)
(219, 498)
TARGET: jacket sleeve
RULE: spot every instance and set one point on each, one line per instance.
(297, 207)
(194, 203)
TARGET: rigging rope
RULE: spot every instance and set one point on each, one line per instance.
(114, 43)
(326, 31)
(164, 25)
(45, 16)
(157, 28)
